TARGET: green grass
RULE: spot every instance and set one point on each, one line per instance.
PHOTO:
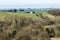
(4, 14)
(33, 16)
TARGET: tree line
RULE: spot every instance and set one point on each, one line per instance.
(11, 10)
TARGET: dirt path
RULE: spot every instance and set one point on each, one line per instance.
(55, 39)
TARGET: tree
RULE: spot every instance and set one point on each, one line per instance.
(15, 10)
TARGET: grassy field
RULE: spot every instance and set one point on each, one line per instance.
(16, 26)
(4, 14)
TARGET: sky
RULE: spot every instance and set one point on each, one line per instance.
(29, 4)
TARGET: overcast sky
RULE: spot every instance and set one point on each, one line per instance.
(29, 3)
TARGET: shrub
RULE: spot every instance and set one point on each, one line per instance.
(12, 35)
(35, 32)
(1, 23)
(25, 37)
(4, 36)
(23, 22)
(4, 25)
(45, 22)
(55, 12)
(37, 15)
(51, 22)
(50, 32)
(41, 21)
(46, 18)
(57, 19)
(43, 36)
(57, 31)
(8, 20)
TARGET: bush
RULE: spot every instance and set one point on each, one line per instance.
(55, 12)
(45, 22)
(23, 22)
(46, 19)
(4, 25)
(12, 35)
(41, 22)
(4, 36)
(43, 36)
(50, 32)
(1, 23)
(51, 22)
(25, 37)
(8, 20)
(57, 31)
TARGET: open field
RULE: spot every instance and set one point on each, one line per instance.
(26, 26)
(3, 14)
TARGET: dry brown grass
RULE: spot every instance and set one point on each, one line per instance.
(23, 28)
